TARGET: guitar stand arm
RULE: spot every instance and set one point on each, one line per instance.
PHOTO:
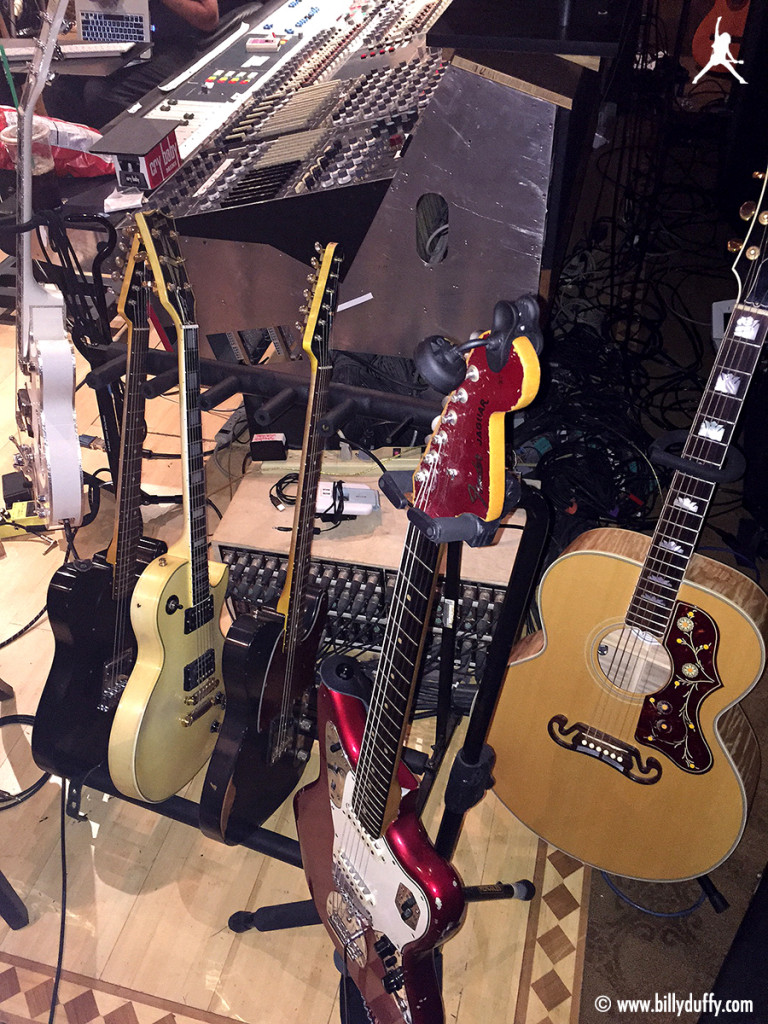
(733, 468)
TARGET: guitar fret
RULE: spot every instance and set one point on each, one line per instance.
(380, 749)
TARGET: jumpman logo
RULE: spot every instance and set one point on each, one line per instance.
(721, 55)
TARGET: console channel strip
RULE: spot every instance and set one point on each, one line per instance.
(359, 599)
(286, 112)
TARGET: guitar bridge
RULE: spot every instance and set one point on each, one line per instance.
(199, 669)
(113, 679)
(606, 748)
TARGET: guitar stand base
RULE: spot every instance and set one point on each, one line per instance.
(275, 918)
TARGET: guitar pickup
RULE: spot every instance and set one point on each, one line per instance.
(198, 615)
(199, 670)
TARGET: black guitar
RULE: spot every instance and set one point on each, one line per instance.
(89, 601)
(268, 663)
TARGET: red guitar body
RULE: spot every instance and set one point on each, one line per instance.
(386, 905)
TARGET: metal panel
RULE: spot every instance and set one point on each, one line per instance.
(482, 145)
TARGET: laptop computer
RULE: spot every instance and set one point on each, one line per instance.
(113, 21)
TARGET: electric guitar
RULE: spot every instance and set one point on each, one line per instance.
(89, 601)
(384, 895)
(618, 734)
(45, 404)
(733, 18)
(269, 661)
(166, 722)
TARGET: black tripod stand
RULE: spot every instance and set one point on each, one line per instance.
(471, 772)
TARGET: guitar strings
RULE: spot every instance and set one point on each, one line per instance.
(305, 508)
(688, 496)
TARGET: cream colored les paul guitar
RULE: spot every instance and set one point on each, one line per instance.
(618, 735)
(166, 723)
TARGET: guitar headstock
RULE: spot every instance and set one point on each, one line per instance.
(751, 263)
(133, 302)
(321, 304)
(463, 470)
(161, 241)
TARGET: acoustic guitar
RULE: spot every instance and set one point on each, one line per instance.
(269, 660)
(384, 895)
(89, 600)
(166, 722)
(618, 734)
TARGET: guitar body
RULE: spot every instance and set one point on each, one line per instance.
(74, 716)
(46, 411)
(262, 750)
(658, 755)
(396, 892)
(163, 732)
(733, 15)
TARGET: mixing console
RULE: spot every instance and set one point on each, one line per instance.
(359, 599)
(305, 97)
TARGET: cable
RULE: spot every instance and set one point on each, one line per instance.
(63, 922)
(22, 631)
(647, 910)
(9, 800)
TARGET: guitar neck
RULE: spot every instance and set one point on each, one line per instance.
(123, 551)
(195, 517)
(299, 557)
(376, 794)
(690, 495)
(128, 524)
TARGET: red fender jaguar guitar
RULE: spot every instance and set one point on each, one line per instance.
(385, 896)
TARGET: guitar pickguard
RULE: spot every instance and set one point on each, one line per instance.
(669, 719)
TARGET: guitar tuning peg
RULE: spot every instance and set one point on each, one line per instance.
(318, 248)
(747, 210)
(752, 252)
(759, 175)
(298, 325)
(735, 244)
(314, 263)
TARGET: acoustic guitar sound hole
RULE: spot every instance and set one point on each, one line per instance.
(633, 661)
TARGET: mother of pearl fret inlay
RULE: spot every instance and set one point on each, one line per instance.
(747, 327)
(728, 383)
(712, 430)
(671, 545)
(682, 502)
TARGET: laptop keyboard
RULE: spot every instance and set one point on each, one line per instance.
(112, 28)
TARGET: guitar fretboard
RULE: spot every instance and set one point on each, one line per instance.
(309, 476)
(690, 495)
(393, 688)
(192, 455)
(129, 524)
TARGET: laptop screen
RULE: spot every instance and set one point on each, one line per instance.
(121, 21)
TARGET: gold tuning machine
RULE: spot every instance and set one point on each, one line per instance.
(735, 244)
(747, 210)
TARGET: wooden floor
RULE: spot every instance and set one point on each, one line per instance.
(148, 899)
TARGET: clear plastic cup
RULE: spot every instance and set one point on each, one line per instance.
(45, 184)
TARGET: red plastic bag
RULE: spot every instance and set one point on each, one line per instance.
(70, 144)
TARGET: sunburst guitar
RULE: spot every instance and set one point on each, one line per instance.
(618, 733)
(171, 709)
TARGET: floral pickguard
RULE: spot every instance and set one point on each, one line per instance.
(669, 719)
